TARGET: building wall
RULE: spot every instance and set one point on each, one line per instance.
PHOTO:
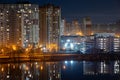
(95, 68)
(105, 41)
(50, 18)
(98, 43)
(116, 44)
(109, 28)
(20, 24)
(75, 27)
(87, 25)
(62, 27)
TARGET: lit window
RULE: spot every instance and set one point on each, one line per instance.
(8, 30)
(115, 48)
(104, 39)
(1, 13)
(30, 11)
(7, 11)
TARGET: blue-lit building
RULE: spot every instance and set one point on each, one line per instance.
(70, 43)
(104, 41)
(97, 43)
(116, 44)
(77, 43)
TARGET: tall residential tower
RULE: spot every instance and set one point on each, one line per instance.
(87, 25)
(50, 18)
(19, 25)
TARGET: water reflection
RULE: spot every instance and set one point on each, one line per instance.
(31, 71)
(104, 67)
(67, 70)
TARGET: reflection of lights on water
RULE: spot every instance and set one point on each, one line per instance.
(24, 65)
(36, 63)
(28, 72)
(27, 78)
(14, 67)
(8, 76)
(71, 61)
(26, 68)
(30, 75)
(65, 62)
(8, 65)
(37, 66)
(59, 75)
(64, 67)
(2, 69)
(116, 67)
(25, 72)
(41, 67)
(20, 67)
(31, 64)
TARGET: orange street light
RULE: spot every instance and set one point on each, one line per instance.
(2, 50)
(14, 47)
(26, 50)
(79, 33)
(41, 67)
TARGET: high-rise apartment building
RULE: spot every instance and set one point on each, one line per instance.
(71, 28)
(50, 18)
(19, 25)
(62, 27)
(68, 29)
(104, 41)
(75, 28)
(109, 28)
(87, 25)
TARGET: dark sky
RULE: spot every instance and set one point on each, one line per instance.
(101, 11)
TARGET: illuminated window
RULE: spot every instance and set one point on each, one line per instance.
(8, 30)
(115, 48)
(30, 11)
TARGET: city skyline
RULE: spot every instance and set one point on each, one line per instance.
(32, 26)
(100, 11)
(59, 40)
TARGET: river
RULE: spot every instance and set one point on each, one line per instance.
(63, 70)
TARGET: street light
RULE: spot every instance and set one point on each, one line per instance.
(14, 47)
(2, 50)
(26, 50)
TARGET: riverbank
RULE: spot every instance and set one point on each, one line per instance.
(58, 57)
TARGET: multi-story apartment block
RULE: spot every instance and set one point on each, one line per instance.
(104, 41)
(87, 25)
(50, 18)
(19, 25)
(62, 27)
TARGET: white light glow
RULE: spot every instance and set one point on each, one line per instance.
(66, 62)
(71, 61)
(68, 40)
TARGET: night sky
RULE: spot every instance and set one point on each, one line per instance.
(100, 11)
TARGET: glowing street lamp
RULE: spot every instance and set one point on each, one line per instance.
(14, 47)
(41, 67)
(2, 50)
(79, 33)
(26, 50)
